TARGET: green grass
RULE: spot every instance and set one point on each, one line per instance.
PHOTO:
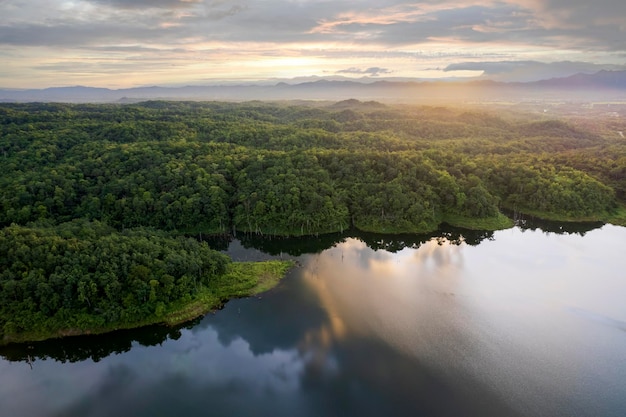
(614, 218)
(375, 225)
(618, 218)
(244, 279)
(498, 222)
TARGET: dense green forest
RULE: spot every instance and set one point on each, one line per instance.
(296, 170)
(84, 276)
(90, 267)
(94, 198)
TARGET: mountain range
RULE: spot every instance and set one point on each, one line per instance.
(603, 85)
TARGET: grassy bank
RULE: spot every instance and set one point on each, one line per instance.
(242, 279)
(498, 222)
(617, 217)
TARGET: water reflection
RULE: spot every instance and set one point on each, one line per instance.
(523, 323)
(95, 348)
(528, 222)
(409, 294)
(296, 246)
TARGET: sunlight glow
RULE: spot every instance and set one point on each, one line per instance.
(125, 44)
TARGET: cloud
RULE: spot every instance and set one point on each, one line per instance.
(339, 36)
(143, 4)
(576, 12)
(372, 71)
(584, 25)
(554, 23)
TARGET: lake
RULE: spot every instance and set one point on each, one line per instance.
(529, 321)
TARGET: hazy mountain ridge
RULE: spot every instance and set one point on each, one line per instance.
(603, 84)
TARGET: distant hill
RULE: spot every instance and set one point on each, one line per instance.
(602, 79)
(356, 104)
(601, 85)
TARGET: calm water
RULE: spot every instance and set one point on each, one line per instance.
(519, 322)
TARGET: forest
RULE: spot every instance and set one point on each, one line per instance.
(97, 200)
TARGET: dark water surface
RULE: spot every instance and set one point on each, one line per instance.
(521, 322)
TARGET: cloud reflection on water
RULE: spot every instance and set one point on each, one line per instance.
(439, 329)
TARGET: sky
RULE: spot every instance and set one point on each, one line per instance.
(128, 43)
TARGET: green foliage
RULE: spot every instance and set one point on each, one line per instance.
(85, 274)
(249, 278)
(287, 194)
(242, 279)
(89, 193)
(476, 223)
(294, 170)
(619, 216)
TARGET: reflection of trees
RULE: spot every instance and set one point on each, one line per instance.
(216, 242)
(296, 246)
(456, 236)
(527, 222)
(78, 348)
(97, 347)
(392, 243)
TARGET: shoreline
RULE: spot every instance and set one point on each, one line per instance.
(501, 221)
(243, 279)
